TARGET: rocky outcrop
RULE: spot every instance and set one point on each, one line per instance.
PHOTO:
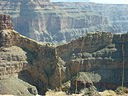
(15, 86)
(45, 65)
(84, 81)
(104, 56)
(5, 22)
(12, 60)
(90, 43)
(33, 62)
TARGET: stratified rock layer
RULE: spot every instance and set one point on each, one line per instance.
(101, 53)
(33, 62)
(47, 66)
(61, 22)
(5, 22)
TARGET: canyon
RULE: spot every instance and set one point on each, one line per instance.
(93, 62)
(61, 22)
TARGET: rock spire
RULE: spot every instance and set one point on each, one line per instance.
(5, 22)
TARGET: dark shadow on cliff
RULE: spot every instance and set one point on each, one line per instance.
(114, 75)
(27, 77)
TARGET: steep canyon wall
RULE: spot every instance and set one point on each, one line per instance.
(61, 22)
(44, 65)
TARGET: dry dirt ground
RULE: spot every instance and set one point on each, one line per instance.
(104, 93)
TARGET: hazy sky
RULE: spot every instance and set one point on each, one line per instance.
(97, 1)
(70, 0)
(111, 1)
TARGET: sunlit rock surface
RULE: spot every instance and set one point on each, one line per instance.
(36, 67)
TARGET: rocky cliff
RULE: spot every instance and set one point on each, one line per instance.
(93, 60)
(28, 60)
(100, 53)
(45, 21)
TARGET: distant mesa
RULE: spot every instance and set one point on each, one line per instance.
(5, 22)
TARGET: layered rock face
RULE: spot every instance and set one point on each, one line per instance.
(5, 22)
(61, 22)
(12, 60)
(28, 60)
(43, 65)
(100, 53)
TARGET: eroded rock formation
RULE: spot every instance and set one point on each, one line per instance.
(44, 65)
(5, 22)
(101, 53)
(46, 21)
(33, 62)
